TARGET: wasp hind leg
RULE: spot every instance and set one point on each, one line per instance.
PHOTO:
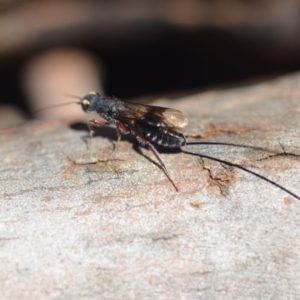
(150, 146)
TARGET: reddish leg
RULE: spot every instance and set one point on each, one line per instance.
(98, 123)
(154, 151)
(91, 123)
(120, 128)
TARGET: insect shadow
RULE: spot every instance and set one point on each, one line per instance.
(103, 132)
(110, 134)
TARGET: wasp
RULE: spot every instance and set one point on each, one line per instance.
(151, 125)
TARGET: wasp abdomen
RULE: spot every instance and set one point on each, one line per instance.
(165, 137)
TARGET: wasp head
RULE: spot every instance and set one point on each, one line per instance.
(90, 102)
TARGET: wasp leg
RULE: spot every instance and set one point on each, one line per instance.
(145, 142)
(91, 123)
(120, 128)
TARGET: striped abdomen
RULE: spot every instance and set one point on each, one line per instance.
(163, 136)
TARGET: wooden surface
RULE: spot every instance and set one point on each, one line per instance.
(74, 227)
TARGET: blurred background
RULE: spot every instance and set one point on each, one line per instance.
(138, 50)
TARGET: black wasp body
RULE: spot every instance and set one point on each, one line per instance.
(162, 126)
(150, 124)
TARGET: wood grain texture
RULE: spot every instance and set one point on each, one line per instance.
(74, 227)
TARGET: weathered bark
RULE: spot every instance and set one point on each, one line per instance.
(74, 227)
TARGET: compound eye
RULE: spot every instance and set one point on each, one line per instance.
(85, 104)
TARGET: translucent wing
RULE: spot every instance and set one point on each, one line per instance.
(152, 115)
(175, 117)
